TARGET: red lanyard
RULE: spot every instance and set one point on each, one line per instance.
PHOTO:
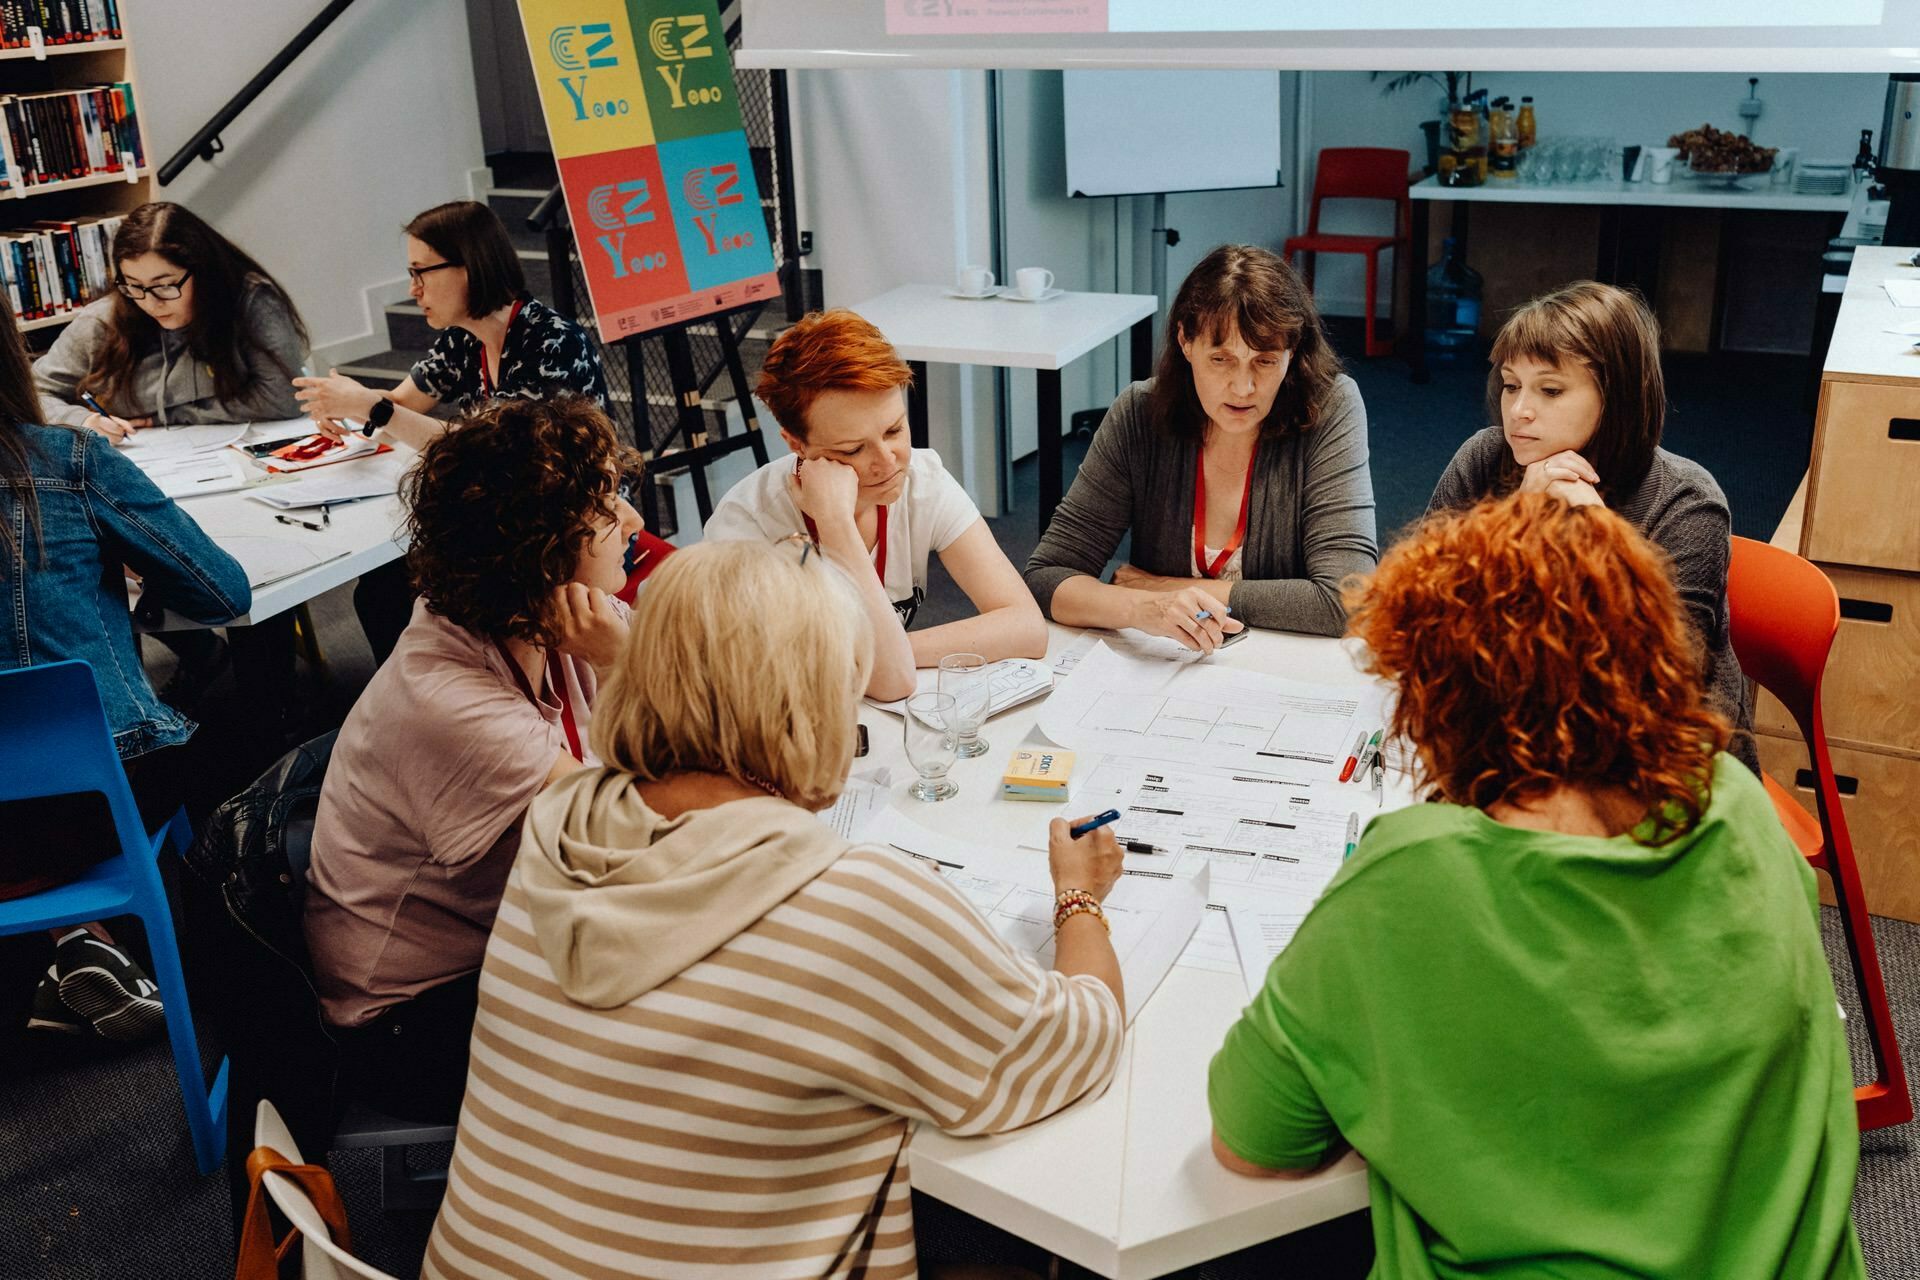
(556, 681)
(1200, 516)
(486, 383)
(879, 541)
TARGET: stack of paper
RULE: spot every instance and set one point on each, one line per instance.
(373, 477)
(187, 461)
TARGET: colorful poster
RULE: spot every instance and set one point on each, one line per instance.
(640, 107)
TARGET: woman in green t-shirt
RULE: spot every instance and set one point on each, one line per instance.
(1575, 1013)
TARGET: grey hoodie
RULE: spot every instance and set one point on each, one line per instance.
(623, 899)
(167, 385)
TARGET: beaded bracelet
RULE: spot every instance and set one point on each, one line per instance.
(1069, 903)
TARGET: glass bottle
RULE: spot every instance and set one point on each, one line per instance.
(1464, 141)
(1524, 125)
(1504, 142)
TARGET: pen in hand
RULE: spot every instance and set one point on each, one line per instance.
(1094, 823)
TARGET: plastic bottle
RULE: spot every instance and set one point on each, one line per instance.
(1524, 125)
(1453, 307)
(1466, 144)
(1503, 142)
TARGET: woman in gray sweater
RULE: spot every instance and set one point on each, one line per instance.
(195, 331)
(1581, 399)
(1240, 467)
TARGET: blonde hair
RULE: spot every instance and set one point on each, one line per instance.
(747, 659)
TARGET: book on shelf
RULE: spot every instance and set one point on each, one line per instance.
(53, 267)
(61, 22)
(65, 134)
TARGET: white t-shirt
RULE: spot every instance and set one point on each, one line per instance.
(931, 514)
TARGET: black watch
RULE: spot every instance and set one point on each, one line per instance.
(378, 416)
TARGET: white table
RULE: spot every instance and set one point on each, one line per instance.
(1124, 1184)
(924, 324)
(1611, 197)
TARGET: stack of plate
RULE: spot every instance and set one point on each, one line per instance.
(1821, 177)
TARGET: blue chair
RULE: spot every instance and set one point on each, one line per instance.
(54, 741)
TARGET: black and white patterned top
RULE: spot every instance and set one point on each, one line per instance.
(545, 354)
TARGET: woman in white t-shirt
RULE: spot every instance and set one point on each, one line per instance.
(877, 506)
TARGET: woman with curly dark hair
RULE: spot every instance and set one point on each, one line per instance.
(1240, 467)
(1575, 1014)
(519, 538)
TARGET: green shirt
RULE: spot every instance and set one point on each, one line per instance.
(1563, 1055)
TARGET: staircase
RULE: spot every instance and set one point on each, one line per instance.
(524, 181)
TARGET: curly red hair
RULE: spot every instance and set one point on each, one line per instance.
(1536, 645)
(833, 350)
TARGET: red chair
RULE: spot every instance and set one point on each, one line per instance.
(1784, 614)
(1358, 173)
(648, 553)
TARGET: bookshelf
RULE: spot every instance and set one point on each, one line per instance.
(64, 63)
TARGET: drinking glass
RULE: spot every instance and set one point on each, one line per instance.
(966, 678)
(1566, 160)
(930, 746)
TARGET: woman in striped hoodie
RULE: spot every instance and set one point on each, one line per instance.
(707, 1023)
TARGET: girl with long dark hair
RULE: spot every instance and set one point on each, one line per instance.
(195, 331)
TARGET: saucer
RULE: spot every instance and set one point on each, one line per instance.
(1012, 294)
(952, 292)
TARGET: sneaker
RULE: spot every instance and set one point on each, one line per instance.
(192, 676)
(102, 984)
(50, 1013)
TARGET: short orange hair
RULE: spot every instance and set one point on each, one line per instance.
(1536, 644)
(826, 351)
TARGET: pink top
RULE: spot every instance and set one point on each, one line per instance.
(420, 814)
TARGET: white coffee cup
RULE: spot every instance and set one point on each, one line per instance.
(1033, 282)
(1660, 161)
(972, 280)
(1783, 162)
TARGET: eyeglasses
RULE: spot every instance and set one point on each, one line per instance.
(164, 292)
(807, 545)
(418, 272)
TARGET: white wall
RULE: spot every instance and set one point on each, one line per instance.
(1820, 114)
(373, 123)
(891, 179)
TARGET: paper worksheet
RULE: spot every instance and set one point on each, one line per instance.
(269, 559)
(151, 445)
(1152, 916)
(1011, 681)
(196, 474)
(1264, 922)
(373, 477)
(865, 795)
(1201, 713)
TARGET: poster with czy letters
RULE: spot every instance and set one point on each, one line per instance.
(640, 107)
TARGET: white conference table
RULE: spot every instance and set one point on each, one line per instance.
(924, 323)
(1124, 1184)
(1627, 255)
(360, 537)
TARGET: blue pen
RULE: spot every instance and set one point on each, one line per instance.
(1204, 614)
(1094, 823)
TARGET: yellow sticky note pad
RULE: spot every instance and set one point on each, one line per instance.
(589, 75)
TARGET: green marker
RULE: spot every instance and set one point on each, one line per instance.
(1353, 835)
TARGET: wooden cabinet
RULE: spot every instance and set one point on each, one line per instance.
(1861, 525)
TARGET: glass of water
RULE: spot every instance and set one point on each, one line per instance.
(965, 676)
(930, 746)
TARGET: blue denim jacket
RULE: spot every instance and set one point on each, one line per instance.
(64, 595)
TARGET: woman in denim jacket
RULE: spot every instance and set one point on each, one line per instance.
(73, 512)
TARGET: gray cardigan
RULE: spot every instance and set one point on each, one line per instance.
(168, 384)
(1310, 523)
(1679, 508)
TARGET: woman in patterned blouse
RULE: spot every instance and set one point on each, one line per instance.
(495, 339)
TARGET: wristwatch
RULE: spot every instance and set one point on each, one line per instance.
(378, 416)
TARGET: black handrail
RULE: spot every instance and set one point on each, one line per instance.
(206, 144)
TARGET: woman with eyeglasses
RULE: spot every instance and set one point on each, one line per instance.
(496, 340)
(195, 331)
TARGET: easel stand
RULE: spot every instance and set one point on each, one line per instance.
(689, 443)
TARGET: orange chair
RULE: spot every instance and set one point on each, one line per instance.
(1358, 173)
(1784, 614)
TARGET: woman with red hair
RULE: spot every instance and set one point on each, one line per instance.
(1574, 1013)
(877, 506)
